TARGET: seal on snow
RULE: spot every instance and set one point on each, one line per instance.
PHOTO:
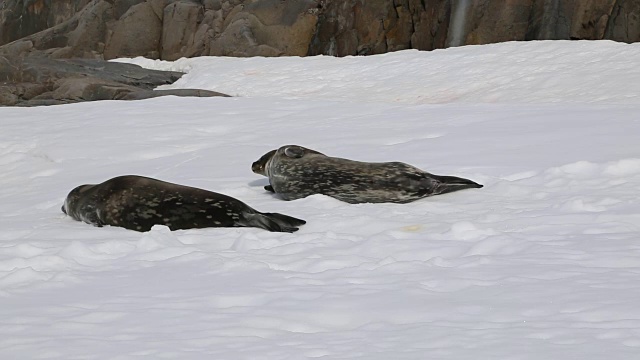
(137, 203)
(295, 172)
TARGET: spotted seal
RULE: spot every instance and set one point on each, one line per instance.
(295, 172)
(138, 203)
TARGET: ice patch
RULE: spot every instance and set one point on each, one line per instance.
(159, 244)
(582, 169)
(23, 277)
(6, 159)
(45, 173)
(82, 254)
(21, 251)
(466, 231)
(48, 205)
(496, 245)
(412, 139)
(585, 169)
(625, 167)
(322, 201)
(579, 205)
(520, 175)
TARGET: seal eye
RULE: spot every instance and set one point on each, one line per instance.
(295, 152)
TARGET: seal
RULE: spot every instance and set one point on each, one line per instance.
(296, 172)
(137, 203)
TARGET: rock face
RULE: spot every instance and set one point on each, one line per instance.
(169, 29)
(617, 20)
(36, 35)
(166, 29)
(40, 80)
(20, 18)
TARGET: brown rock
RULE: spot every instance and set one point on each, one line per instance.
(212, 4)
(170, 29)
(39, 80)
(81, 35)
(89, 89)
(86, 38)
(121, 7)
(430, 24)
(624, 23)
(497, 19)
(358, 27)
(267, 28)
(147, 94)
(137, 32)
(180, 22)
(7, 96)
(19, 18)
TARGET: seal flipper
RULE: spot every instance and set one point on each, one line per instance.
(93, 218)
(274, 222)
(446, 184)
(289, 220)
(269, 188)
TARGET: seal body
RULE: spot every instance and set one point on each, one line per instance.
(295, 172)
(138, 203)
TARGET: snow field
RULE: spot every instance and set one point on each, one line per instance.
(541, 263)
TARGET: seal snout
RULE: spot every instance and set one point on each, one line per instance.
(257, 167)
(63, 209)
(260, 166)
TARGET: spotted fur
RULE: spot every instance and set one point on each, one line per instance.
(138, 203)
(296, 172)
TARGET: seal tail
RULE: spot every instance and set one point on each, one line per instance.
(275, 222)
(447, 184)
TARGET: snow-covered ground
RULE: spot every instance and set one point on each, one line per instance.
(541, 263)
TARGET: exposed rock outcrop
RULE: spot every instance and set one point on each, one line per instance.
(40, 80)
(355, 27)
(33, 33)
(169, 29)
(166, 29)
(20, 18)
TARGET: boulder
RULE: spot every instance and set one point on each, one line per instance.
(20, 18)
(8, 96)
(82, 35)
(181, 20)
(136, 32)
(624, 23)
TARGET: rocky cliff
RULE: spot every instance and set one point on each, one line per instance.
(37, 37)
(169, 29)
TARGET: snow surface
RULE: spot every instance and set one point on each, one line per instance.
(541, 263)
